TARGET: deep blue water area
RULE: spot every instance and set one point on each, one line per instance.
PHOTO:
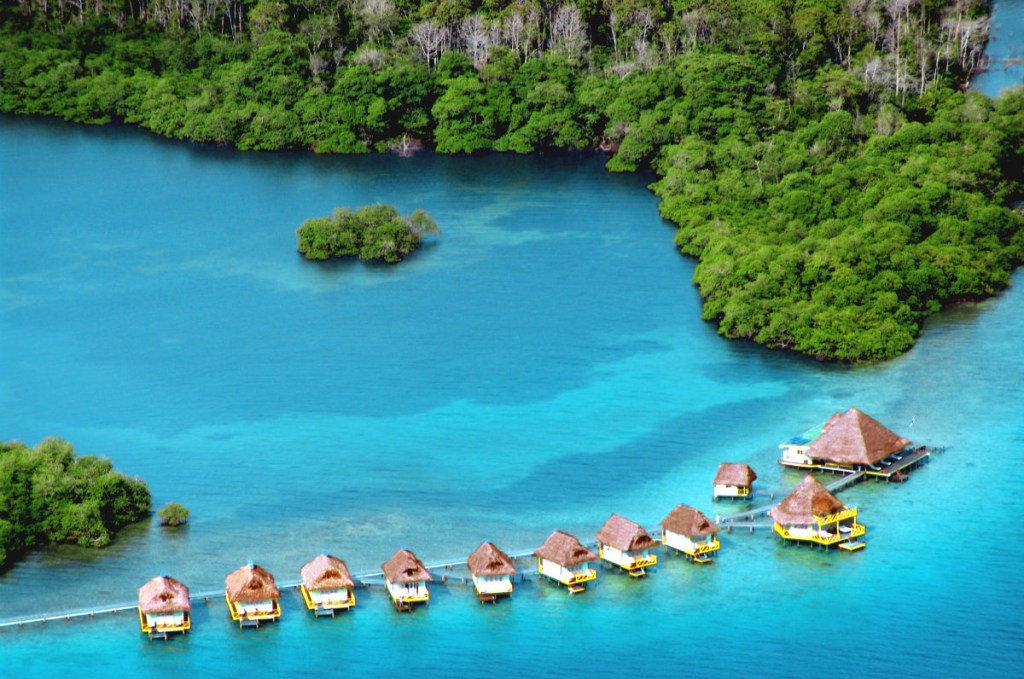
(538, 366)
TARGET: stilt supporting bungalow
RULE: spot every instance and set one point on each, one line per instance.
(627, 545)
(492, 572)
(813, 515)
(850, 441)
(164, 608)
(690, 532)
(252, 595)
(327, 586)
(565, 560)
(406, 580)
(733, 480)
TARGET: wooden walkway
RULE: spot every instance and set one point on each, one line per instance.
(748, 519)
(444, 572)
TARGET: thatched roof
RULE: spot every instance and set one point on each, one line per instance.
(564, 549)
(624, 535)
(164, 595)
(855, 438)
(685, 520)
(734, 474)
(807, 500)
(488, 560)
(326, 572)
(251, 583)
(404, 568)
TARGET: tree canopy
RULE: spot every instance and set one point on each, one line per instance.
(372, 232)
(821, 158)
(50, 495)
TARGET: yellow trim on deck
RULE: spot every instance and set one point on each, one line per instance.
(312, 605)
(146, 628)
(240, 617)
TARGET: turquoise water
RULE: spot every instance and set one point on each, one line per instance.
(539, 366)
(1005, 49)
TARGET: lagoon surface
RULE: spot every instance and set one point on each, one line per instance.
(537, 367)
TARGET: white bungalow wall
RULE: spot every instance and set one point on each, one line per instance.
(794, 453)
(560, 573)
(680, 542)
(329, 596)
(493, 584)
(722, 490)
(406, 591)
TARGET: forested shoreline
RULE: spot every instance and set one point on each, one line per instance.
(48, 495)
(820, 157)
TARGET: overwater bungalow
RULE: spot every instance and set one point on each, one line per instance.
(492, 572)
(565, 560)
(627, 545)
(689, 531)
(164, 608)
(812, 514)
(847, 441)
(327, 586)
(733, 479)
(252, 596)
(406, 580)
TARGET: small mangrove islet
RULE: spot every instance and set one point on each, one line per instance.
(375, 232)
(49, 495)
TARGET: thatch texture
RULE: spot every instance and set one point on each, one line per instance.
(855, 438)
(326, 572)
(734, 474)
(685, 520)
(624, 535)
(488, 560)
(164, 595)
(404, 568)
(807, 500)
(564, 549)
(251, 583)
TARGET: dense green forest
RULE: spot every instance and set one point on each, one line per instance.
(821, 158)
(371, 232)
(49, 495)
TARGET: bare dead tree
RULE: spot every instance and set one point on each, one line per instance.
(429, 36)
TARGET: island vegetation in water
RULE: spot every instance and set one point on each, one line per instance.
(821, 158)
(372, 232)
(48, 495)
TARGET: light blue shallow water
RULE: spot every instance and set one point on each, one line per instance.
(539, 366)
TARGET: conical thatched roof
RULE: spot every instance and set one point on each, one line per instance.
(251, 583)
(404, 568)
(624, 535)
(488, 560)
(164, 595)
(807, 500)
(685, 520)
(734, 474)
(855, 438)
(564, 549)
(326, 572)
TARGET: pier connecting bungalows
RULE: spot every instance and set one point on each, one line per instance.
(565, 560)
(733, 479)
(252, 596)
(164, 608)
(492, 571)
(689, 531)
(812, 514)
(627, 545)
(850, 441)
(327, 586)
(406, 580)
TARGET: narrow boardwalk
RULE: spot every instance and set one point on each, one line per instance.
(446, 572)
(748, 519)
